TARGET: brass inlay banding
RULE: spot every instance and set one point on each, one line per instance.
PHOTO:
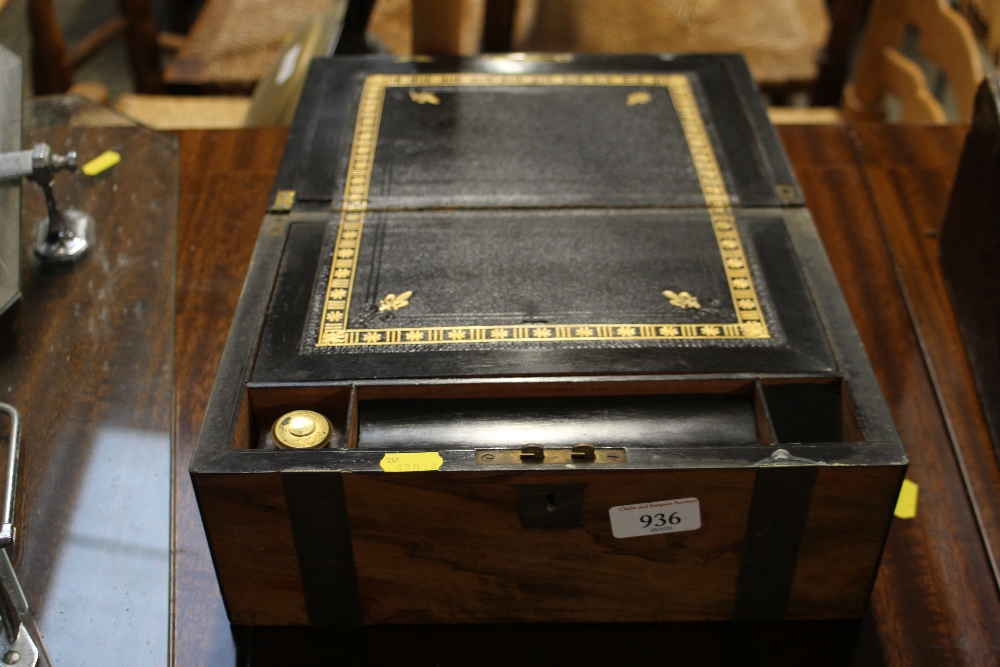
(284, 200)
(336, 309)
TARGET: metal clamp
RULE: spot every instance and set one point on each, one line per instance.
(10, 486)
(39, 164)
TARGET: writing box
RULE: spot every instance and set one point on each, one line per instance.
(578, 347)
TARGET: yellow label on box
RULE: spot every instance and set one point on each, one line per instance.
(102, 163)
(411, 461)
(906, 506)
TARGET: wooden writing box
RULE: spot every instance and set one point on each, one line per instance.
(539, 301)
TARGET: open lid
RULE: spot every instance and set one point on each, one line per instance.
(519, 131)
(518, 213)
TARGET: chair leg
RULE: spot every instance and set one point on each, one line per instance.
(143, 49)
(352, 37)
(50, 70)
(498, 26)
(437, 27)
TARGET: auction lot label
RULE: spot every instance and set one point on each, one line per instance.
(662, 516)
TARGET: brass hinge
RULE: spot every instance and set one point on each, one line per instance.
(283, 201)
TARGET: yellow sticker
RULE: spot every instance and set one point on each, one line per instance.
(906, 506)
(102, 163)
(411, 461)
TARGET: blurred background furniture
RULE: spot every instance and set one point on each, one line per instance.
(53, 64)
(232, 43)
(234, 46)
(276, 95)
(796, 49)
(938, 33)
(800, 51)
(970, 250)
(783, 41)
(983, 17)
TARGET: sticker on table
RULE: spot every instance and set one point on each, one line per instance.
(411, 461)
(101, 163)
(906, 505)
(662, 516)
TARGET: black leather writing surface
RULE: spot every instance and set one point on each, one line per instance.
(515, 143)
(542, 278)
(628, 138)
(287, 351)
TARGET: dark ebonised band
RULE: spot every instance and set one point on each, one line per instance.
(778, 513)
(318, 513)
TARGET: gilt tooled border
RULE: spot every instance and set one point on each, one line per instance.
(333, 331)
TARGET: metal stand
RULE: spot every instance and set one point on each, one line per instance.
(64, 236)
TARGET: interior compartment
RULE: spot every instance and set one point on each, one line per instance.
(333, 402)
(603, 421)
(804, 412)
(604, 412)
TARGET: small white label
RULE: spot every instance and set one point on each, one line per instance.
(662, 516)
(288, 63)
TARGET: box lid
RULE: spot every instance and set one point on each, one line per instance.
(494, 216)
(605, 131)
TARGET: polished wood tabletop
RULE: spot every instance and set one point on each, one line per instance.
(86, 357)
(877, 194)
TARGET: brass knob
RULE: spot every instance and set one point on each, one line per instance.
(302, 429)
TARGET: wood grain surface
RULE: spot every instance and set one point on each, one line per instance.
(483, 566)
(935, 599)
(85, 357)
(226, 178)
(911, 198)
(252, 540)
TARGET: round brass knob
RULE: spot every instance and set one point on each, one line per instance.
(301, 429)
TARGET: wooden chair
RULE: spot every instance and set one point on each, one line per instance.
(984, 19)
(233, 42)
(230, 46)
(944, 37)
(795, 60)
(341, 26)
(276, 96)
(52, 64)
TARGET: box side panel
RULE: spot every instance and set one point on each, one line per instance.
(845, 530)
(450, 548)
(250, 535)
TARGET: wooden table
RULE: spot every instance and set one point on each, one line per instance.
(878, 196)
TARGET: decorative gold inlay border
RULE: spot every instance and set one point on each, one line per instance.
(333, 329)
